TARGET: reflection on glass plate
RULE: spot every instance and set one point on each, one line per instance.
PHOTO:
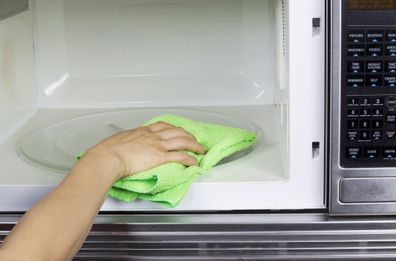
(57, 145)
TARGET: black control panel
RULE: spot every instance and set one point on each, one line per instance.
(368, 90)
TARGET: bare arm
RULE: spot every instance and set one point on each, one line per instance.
(56, 227)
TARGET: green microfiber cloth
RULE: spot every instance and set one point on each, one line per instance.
(167, 184)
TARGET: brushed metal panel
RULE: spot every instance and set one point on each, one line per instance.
(336, 207)
(247, 236)
(367, 190)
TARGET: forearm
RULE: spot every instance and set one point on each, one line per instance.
(56, 227)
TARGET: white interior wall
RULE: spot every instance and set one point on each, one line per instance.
(18, 93)
(98, 53)
(259, 47)
(65, 37)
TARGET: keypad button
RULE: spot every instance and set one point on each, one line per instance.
(390, 50)
(365, 124)
(352, 124)
(353, 113)
(390, 134)
(365, 101)
(355, 81)
(390, 118)
(353, 152)
(369, 124)
(389, 153)
(352, 102)
(374, 67)
(377, 101)
(377, 124)
(356, 36)
(377, 135)
(390, 81)
(356, 50)
(364, 112)
(390, 67)
(377, 112)
(391, 102)
(374, 80)
(390, 36)
(355, 67)
(371, 152)
(374, 50)
(364, 135)
(352, 135)
(375, 36)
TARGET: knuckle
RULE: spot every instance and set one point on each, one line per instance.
(176, 130)
(180, 130)
(144, 130)
(160, 124)
(153, 139)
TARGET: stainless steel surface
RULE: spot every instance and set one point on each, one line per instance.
(368, 190)
(12, 7)
(336, 207)
(235, 237)
(335, 92)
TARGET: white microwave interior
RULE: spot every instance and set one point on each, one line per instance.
(75, 71)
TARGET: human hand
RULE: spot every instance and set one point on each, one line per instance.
(136, 150)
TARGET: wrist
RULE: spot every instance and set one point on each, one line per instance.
(107, 163)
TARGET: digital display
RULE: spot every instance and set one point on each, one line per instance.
(372, 4)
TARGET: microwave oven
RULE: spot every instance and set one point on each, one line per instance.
(73, 72)
(315, 80)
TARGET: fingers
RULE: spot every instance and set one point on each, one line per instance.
(131, 134)
(159, 126)
(172, 138)
(169, 137)
(176, 138)
(174, 133)
(181, 157)
(183, 143)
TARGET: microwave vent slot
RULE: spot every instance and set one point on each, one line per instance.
(283, 29)
(12, 7)
(282, 43)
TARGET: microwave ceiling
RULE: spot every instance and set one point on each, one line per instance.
(12, 7)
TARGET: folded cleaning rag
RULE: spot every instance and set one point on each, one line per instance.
(167, 184)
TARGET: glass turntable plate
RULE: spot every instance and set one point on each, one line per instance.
(56, 146)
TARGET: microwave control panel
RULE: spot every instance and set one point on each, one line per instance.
(368, 93)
